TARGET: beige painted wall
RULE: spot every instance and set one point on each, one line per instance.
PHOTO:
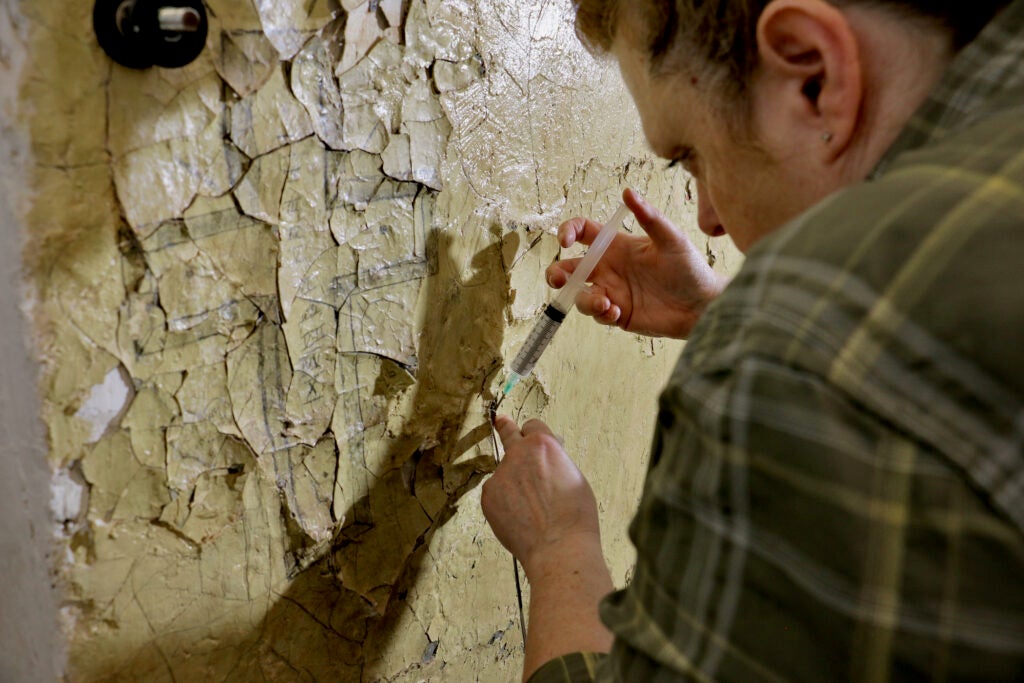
(275, 289)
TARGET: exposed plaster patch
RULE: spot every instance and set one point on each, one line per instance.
(67, 496)
(105, 403)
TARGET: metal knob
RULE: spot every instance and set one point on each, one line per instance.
(144, 33)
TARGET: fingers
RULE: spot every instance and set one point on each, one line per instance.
(557, 274)
(537, 427)
(508, 430)
(611, 316)
(580, 230)
(510, 433)
(594, 302)
(661, 230)
(591, 301)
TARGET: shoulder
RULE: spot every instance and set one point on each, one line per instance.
(944, 224)
(903, 294)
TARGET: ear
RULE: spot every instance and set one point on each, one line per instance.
(809, 55)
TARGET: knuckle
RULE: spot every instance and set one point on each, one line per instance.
(547, 442)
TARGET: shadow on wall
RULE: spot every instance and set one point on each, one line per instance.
(322, 627)
(345, 607)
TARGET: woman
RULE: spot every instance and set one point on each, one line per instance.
(836, 487)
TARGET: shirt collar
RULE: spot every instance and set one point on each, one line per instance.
(987, 67)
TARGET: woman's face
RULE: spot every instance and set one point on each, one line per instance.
(833, 88)
(745, 191)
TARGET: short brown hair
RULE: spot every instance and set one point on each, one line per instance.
(720, 35)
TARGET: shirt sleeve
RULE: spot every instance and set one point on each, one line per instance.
(579, 667)
(787, 534)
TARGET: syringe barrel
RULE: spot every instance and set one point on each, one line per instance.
(538, 340)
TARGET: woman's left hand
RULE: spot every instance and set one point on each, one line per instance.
(543, 510)
(537, 502)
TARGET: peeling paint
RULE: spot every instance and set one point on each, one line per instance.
(281, 285)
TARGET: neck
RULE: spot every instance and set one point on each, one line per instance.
(902, 62)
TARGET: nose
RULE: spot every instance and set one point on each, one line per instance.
(707, 218)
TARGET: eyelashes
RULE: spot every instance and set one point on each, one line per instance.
(682, 159)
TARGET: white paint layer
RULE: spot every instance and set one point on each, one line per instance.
(66, 497)
(105, 403)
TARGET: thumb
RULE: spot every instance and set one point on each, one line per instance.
(661, 230)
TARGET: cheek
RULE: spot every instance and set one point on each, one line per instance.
(729, 202)
(737, 208)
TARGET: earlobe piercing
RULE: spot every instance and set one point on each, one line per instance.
(826, 137)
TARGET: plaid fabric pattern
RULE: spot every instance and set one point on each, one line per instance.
(836, 489)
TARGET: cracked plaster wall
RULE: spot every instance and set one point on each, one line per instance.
(274, 291)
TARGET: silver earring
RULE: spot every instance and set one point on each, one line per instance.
(826, 137)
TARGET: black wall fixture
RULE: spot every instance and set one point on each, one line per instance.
(144, 33)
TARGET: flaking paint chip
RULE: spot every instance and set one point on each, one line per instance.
(269, 119)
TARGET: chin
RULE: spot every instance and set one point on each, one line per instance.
(742, 242)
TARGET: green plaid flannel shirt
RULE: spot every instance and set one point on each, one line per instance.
(836, 489)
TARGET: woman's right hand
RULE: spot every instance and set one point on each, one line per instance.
(658, 284)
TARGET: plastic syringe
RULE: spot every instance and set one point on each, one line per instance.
(556, 311)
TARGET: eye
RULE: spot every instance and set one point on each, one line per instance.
(684, 159)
